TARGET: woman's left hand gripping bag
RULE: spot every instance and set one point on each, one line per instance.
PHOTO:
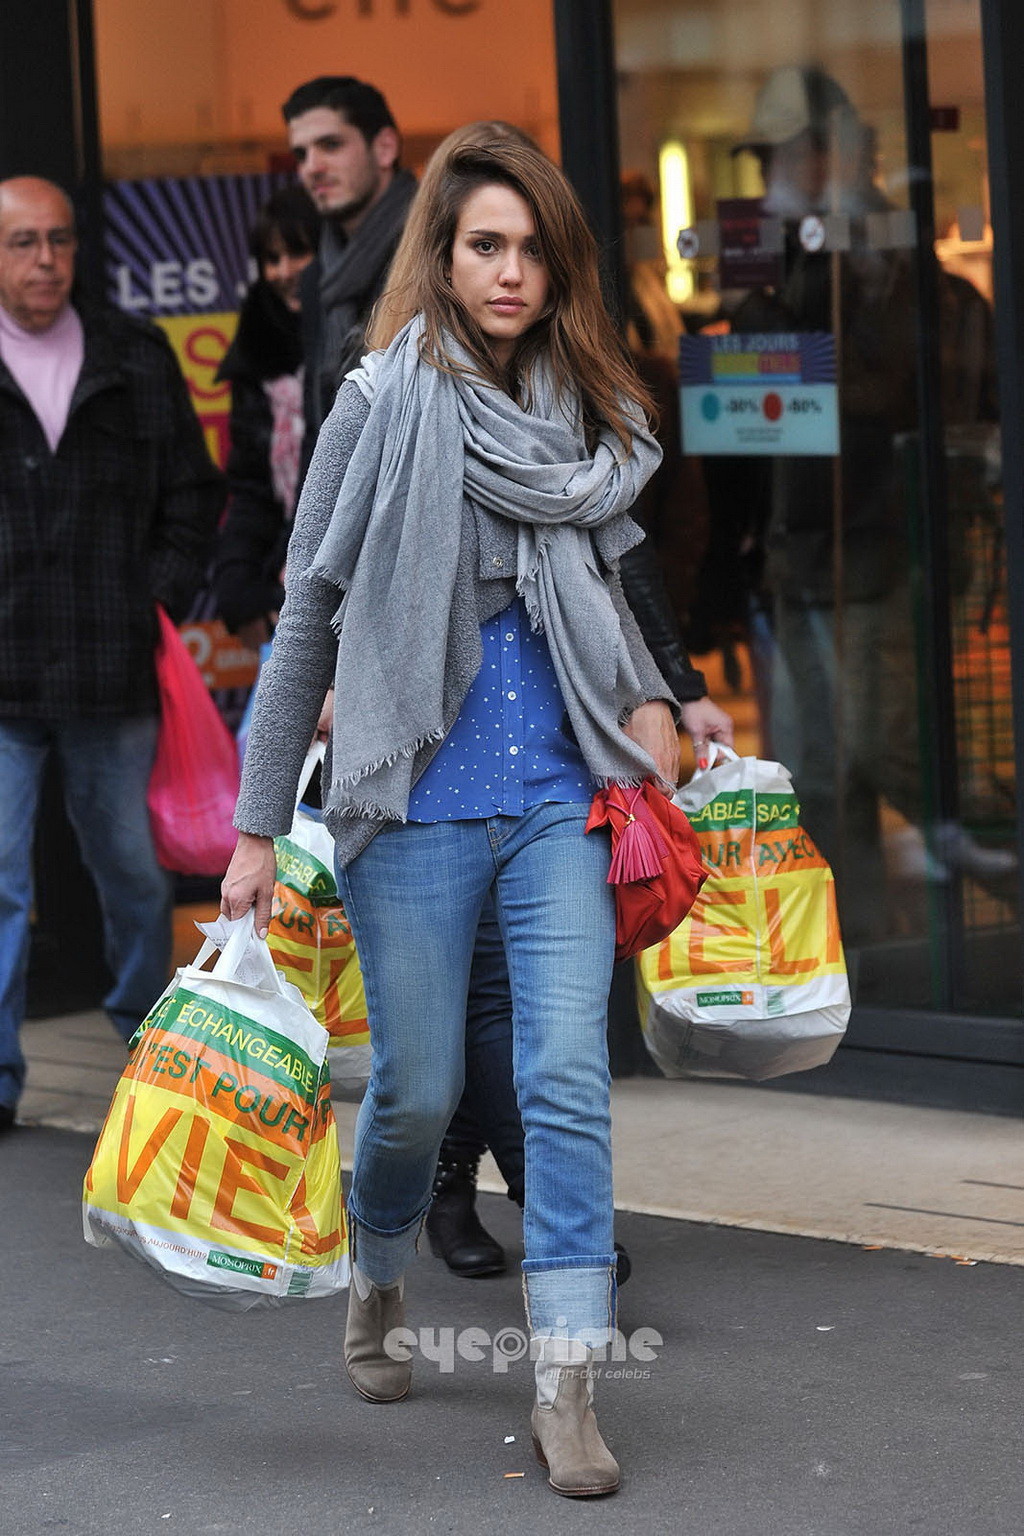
(218, 1161)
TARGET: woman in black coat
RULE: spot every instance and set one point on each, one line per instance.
(264, 368)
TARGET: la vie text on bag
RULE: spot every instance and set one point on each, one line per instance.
(218, 1162)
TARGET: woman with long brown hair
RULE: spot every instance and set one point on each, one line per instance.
(454, 568)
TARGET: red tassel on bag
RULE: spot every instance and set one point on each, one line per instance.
(640, 851)
(656, 865)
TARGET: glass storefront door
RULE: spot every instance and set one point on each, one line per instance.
(805, 205)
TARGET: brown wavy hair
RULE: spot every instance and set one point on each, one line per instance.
(587, 356)
(398, 303)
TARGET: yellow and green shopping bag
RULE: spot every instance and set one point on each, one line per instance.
(218, 1162)
(311, 941)
(753, 982)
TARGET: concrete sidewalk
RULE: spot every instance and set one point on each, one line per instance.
(896, 1176)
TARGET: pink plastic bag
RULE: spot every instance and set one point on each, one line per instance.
(194, 784)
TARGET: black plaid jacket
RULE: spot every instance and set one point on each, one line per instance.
(120, 517)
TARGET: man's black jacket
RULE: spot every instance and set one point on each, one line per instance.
(120, 517)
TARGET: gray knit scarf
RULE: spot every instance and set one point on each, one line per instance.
(392, 548)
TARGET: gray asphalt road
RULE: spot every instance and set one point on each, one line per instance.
(803, 1389)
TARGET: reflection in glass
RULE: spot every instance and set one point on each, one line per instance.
(812, 591)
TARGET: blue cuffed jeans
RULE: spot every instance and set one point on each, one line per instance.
(105, 767)
(414, 898)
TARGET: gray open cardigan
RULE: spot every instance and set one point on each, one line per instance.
(295, 680)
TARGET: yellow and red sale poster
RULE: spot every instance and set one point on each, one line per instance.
(200, 342)
(177, 252)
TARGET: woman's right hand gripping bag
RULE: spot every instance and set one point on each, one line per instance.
(218, 1163)
(753, 983)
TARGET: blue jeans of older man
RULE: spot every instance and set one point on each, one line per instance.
(414, 898)
(105, 767)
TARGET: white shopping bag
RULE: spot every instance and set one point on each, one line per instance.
(218, 1162)
(753, 982)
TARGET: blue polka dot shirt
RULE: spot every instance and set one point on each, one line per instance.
(507, 750)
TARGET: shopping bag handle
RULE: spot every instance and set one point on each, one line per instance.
(714, 749)
(243, 956)
(314, 757)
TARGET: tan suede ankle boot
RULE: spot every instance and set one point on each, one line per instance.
(371, 1317)
(566, 1438)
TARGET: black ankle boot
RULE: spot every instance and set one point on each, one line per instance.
(453, 1227)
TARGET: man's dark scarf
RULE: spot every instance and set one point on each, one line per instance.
(352, 273)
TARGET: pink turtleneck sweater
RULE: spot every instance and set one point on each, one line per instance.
(45, 365)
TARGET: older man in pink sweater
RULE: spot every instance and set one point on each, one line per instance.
(108, 504)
